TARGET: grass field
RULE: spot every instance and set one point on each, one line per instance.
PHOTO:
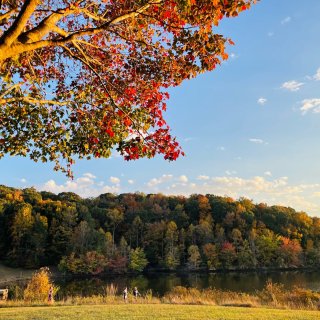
(153, 312)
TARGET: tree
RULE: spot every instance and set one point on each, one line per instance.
(61, 230)
(205, 226)
(138, 260)
(211, 254)
(23, 232)
(155, 242)
(108, 244)
(136, 228)
(289, 253)
(194, 259)
(245, 256)
(91, 262)
(82, 239)
(267, 245)
(31, 195)
(172, 253)
(116, 217)
(38, 240)
(82, 77)
(38, 287)
(227, 255)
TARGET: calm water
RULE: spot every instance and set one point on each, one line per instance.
(161, 283)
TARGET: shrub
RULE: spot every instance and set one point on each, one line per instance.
(38, 287)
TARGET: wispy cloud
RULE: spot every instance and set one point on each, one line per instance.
(285, 20)
(262, 101)
(292, 85)
(130, 181)
(268, 173)
(221, 148)
(317, 75)
(114, 180)
(203, 177)
(255, 140)
(23, 180)
(312, 105)
(188, 139)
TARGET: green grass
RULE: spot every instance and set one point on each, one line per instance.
(153, 312)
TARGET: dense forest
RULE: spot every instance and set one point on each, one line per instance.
(135, 231)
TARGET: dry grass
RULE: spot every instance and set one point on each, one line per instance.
(276, 296)
(181, 295)
(272, 296)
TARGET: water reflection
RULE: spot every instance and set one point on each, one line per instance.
(160, 283)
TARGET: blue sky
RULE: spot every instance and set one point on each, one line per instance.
(250, 128)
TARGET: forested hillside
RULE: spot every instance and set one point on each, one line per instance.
(134, 231)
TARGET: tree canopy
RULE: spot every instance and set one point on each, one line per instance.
(81, 78)
(132, 231)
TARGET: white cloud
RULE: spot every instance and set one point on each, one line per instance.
(89, 175)
(114, 180)
(85, 181)
(203, 177)
(23, 180)
(84, 186)
(221, 148)
(286, 20)
(255, 140)
(156, 181)
(230, 172)
(317, 75)
(310, 105)
(262, 101)
(130, 181)
(273, 192)
(183, 179)
(259, 188)
(292, 85)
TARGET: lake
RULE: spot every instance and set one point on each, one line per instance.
(160, 283)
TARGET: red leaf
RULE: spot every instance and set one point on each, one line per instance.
(110, 132)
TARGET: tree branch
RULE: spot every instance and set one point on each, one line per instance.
(15, 30)
(33, 101)
(113, 103)
(46, 26)
(10, 89)
(6, 15)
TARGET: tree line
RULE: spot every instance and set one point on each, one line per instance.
(135, 231)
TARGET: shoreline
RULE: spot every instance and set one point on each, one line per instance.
(25, 274)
